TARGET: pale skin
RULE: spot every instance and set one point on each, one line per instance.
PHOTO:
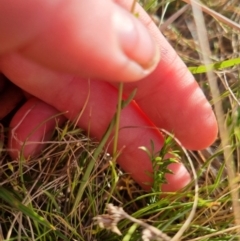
(71, 55)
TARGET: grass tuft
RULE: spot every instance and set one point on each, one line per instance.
(56, 195)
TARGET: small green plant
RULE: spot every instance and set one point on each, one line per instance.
(160, 162)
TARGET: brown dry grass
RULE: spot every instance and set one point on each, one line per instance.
(48, 185)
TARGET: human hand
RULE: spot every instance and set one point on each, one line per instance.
(51, 50)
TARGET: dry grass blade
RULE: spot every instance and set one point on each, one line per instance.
(214, 14)
(173, 17)
(223, 131)
(206, 237)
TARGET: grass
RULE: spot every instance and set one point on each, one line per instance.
(56, 195)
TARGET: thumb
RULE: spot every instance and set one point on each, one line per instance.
(87, 38)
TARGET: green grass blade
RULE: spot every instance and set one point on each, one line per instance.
(130, 232)
(15, 203)
(216, 66)
(98, 151)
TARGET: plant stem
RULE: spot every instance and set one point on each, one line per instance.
(118, 113)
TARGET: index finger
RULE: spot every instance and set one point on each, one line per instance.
(171, 97)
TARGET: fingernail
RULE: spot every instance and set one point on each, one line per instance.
(137, 44)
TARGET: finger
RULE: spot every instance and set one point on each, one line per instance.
(94, 104)
(31, 127)
(76, 37)
(171, 98)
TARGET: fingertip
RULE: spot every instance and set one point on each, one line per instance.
(31, 127)
(173, 100)
(206, 135)
(200, 129)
